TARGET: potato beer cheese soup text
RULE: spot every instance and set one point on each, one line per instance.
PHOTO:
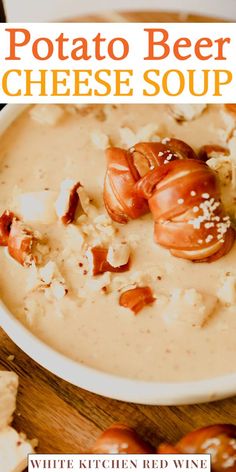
(187, 328)
(159, 46)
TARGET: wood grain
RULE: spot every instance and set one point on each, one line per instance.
(67, 419)
(2, 13)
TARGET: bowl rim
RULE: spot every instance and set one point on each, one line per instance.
(69, 9)
(97, 381)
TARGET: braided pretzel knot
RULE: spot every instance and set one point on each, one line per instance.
(182, 194)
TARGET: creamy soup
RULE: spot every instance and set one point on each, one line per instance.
(189, 331)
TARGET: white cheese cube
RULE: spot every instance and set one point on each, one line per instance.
(187, 112)
(14, 449)
(118, 254)
(33, 308)
(100, 140)
(146, 133)
(190, 307)
(37, 207)
(55, 285)
(62, 203)
(96, 284)
(58, 289)
(227, 291)
(74, 240)
(85, 202)
(47, 114)
(127, 136)
(47, 272)
(223, 166)
(8, 391)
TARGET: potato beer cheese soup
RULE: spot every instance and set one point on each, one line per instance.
(142, 294)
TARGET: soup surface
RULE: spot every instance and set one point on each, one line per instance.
(189, 332)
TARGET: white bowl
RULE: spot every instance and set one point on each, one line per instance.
(153, 393)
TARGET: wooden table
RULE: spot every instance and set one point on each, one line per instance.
(67, 419)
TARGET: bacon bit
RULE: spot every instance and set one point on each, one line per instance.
(69, 216)
(5, 227)
(20, 243)
(68, 201)
(99, 263)
(212, 150)
(136, 298)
